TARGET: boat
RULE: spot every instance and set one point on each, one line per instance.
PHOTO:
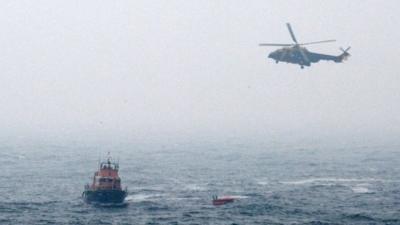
(106, 185)
(222, 200)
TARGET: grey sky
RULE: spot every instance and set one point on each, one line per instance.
(193, 68)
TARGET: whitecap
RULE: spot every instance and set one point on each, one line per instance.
(262, 183)
(361, 190)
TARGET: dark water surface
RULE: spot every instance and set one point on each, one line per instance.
(173, 184)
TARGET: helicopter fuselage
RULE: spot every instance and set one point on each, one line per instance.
(292, 55)
(301, 56)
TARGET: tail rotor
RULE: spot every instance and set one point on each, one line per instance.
(345, 55)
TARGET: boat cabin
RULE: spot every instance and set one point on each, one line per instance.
(106, 178)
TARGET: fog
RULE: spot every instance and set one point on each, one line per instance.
(132, 70)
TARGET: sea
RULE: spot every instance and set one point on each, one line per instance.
(173, 183)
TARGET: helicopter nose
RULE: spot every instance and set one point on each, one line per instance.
(272, 55)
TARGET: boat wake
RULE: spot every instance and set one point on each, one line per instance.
(110, 205)
(143, 197)
(236, 196)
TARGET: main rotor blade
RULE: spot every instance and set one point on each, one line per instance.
(317, 42)
(268, 44)
(291, 32)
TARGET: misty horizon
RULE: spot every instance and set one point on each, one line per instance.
(122, 70)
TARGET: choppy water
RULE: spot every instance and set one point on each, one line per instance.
(173, 184)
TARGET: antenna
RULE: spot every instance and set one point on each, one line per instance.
(99, 158)
(108, 157)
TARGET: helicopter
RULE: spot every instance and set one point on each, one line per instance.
(296, 54)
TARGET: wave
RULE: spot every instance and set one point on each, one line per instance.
(194, 187)
(263, 183)
(361, 189)
(329, 180)
(359, 217)
(357, 185)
